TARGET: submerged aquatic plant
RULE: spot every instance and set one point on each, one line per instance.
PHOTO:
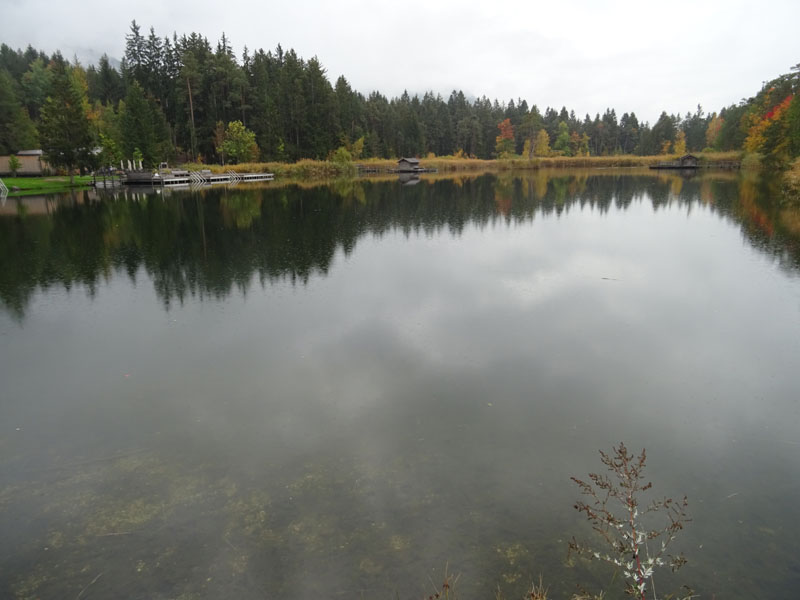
(613, 510)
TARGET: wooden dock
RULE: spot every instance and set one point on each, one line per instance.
(414, 170)
(177, 177)
(722, 164)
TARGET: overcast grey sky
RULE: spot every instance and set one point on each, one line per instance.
(629, 55)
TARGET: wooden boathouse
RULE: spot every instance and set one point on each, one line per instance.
(408, 165)
(687, 161)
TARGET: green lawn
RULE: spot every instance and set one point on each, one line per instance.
(43, 185)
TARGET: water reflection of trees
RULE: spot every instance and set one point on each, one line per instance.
(210, 243)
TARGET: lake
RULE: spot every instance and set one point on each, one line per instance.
(342, 390)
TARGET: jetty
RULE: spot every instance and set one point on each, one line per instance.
(166, 177)
(690, 161)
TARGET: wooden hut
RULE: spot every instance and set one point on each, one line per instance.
(408, 165)
(688, 161)
(31, 162)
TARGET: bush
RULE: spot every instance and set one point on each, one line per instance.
(341, 156)
(14, 164)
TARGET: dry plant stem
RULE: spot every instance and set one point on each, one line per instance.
(447, 587)
(639, 574)
(627, 534)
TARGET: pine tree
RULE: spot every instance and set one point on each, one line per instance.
(35, 85)
(143, 128)
(135, 54)
(17, 131)
(561, 144)
(64, 131)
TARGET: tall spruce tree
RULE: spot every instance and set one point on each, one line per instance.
(64, 130)
(17, 131)
(143, 128)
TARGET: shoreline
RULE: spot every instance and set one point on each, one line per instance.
(309, 171)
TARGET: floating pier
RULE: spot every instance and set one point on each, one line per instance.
(723, 164)
(690, 161)
(178, 177)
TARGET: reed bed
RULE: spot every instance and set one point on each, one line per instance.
(322, 169)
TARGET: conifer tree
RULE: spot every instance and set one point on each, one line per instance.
(562, 143)
(64, 130)
(17, 131)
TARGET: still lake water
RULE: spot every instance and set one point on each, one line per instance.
(335, 392)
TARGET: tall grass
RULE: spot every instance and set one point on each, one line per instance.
(321, 169)
(302, 169)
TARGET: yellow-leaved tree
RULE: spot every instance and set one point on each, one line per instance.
(680, 143)
(541, 147)
(713, 129)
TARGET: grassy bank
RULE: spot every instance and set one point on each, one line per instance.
(308, 170)
(305, 169)
(320, 169)
(25, 186)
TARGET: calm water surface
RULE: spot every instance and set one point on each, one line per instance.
(335, 392)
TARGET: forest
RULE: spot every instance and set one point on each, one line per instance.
(180, 99)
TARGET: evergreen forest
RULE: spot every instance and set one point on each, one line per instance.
(182, 99)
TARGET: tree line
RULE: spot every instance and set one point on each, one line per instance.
(180, 98)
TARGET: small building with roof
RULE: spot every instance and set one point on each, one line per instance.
(32, 162)
(408, 165)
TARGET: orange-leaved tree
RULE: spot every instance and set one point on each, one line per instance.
(504, 143)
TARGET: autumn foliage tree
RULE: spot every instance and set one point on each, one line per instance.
(713, 130)
(679, 147)
(541, 147)
(504, 143)
(768, 131)
(793, 126)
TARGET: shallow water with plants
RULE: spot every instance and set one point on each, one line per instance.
(335, 391)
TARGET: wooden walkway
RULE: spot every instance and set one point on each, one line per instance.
(191, 178)
(362, 169)
(676, 165)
